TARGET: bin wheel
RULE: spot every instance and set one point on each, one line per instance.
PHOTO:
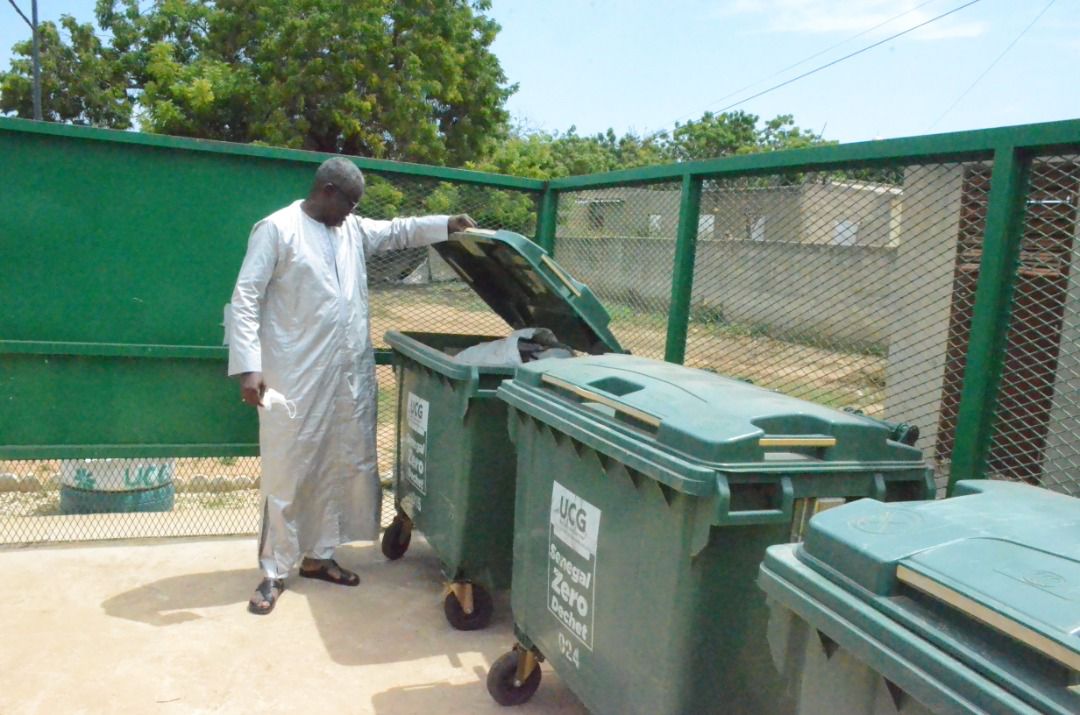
(501, 680)
(480, 617)
(395, 540)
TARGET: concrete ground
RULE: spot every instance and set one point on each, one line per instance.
(161, 627)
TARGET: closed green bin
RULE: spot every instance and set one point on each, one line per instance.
(455, 466)
(965, 605)
(647, 494)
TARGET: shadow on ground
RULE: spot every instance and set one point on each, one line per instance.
(394, 615)
(171, 601)
(397, 612)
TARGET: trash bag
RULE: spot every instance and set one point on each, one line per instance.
(519, 347)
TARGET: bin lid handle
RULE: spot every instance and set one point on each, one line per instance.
(561, 275)
(999, 621)
(814, 441)
(591, 396)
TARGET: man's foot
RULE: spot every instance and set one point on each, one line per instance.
(328, 570)
(266, 596)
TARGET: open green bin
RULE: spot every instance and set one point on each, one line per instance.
(966, 605)
(455, 466)
(647, 494)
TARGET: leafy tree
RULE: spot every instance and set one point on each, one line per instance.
(400, 79)
(543, 155)
(540, 155)
(716, 135)
(81, 79)
(781, 133)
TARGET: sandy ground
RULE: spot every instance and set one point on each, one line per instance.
(161, 627)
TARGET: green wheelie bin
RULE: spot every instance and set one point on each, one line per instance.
(455, 466)
(647, 494)
(965, 605)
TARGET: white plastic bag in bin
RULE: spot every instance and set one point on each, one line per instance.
(505, 352)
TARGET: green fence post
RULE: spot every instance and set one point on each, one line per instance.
(682, 277)
(545, 222)
(990, 319)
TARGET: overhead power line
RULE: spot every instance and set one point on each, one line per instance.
(841, 59)
(819, 53)
(849, 56)
(991, 66)
(18, 10)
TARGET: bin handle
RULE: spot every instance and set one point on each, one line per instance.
(780, 515)
(561, 275)
(810, 441)
(651, 420)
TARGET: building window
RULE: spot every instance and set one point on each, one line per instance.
(757, 229)
(845, 233)
(656, 224)
(706, 226)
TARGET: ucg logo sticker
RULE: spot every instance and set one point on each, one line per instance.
(416, 412)
(574, 521)
(573, 515)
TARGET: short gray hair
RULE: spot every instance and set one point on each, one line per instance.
(341, 173)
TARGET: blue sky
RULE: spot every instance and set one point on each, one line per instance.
(637, 65)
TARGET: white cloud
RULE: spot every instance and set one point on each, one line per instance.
(854, 16)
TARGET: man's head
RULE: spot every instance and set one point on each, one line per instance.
(338, 188)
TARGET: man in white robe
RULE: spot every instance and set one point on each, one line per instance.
(299, 325)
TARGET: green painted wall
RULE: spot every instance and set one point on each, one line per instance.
(115, 242)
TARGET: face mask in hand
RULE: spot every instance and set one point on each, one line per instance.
(272, 397)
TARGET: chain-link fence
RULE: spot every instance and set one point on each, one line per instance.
(1038, 405)
(128, 497)
(621, 243)
(92, 499)
(847, 288)
(415, 290)
(836, 288)
(856, 285)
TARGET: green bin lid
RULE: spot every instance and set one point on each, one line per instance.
(999, 554)
(712, 420)
(528, 289)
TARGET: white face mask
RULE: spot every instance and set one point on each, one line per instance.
(272, 397)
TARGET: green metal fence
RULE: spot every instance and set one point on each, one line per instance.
(922, 280)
